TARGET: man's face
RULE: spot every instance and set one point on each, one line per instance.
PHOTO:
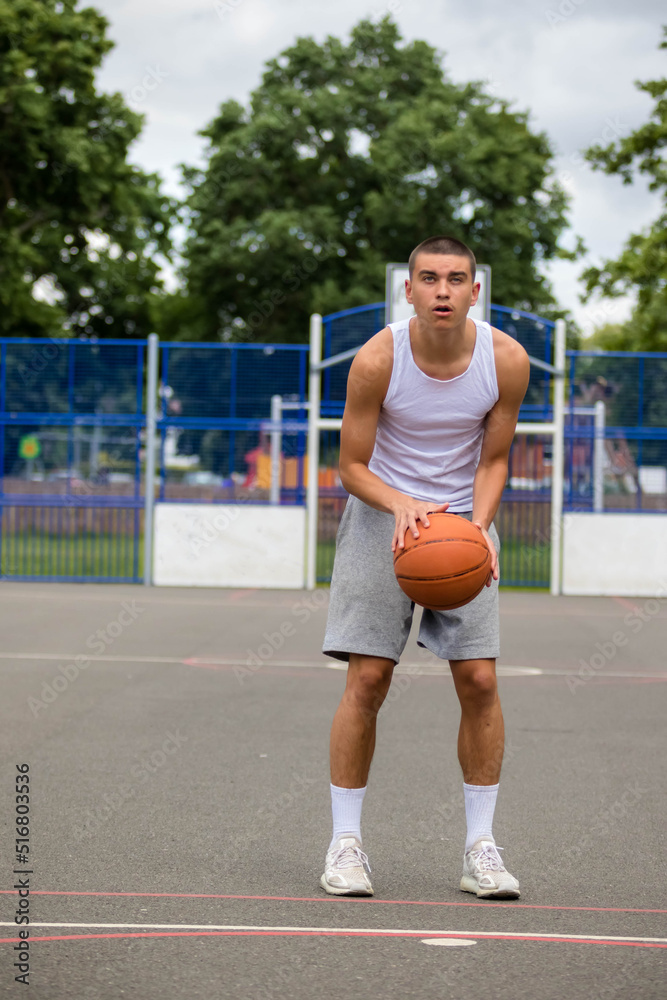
(441, 289)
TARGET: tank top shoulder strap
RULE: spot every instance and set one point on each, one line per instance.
(485, 336)
(400, 332)
(487, 355)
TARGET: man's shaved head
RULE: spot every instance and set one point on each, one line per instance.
(444, 245)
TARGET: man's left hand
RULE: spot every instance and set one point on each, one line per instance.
(493, 575)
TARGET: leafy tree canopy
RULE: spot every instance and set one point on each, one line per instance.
(347, 156)
(80, 227)
(642, 265)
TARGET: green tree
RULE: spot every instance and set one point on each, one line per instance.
(81, 229)
(642, 264)
(608, 337)
(346, 157)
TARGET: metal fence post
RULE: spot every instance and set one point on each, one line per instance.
(558, 455)
(312, 493)
(598, 456)
(276, 447)
(149, 465)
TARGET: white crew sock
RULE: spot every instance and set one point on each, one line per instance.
(480, 803)
(346, 810)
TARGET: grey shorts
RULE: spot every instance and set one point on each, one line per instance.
(370, 614)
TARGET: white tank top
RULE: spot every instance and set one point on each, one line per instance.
(429, 433)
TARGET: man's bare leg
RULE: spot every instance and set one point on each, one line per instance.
(482, 730)
(352, 745)
(353, 729)
(481, 744)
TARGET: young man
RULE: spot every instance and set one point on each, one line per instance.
(431, 409)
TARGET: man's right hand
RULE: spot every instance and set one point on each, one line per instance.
(408, 513)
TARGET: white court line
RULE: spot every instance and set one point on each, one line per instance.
(442, 669)
(96, 659)
(341, 930)
(415, 669)
(226, 600)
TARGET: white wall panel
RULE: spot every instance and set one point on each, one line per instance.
(238, 545)
(615, 554)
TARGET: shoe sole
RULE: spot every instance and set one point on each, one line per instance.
(336, 890)
(468, 884)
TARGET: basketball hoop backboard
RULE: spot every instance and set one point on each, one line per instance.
(397, 308)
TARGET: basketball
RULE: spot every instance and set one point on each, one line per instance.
(447, 566)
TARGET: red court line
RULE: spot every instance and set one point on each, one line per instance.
(626, 604)
(238, 595)
(336, 934)
(328, 899)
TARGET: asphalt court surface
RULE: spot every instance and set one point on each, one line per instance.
(177, 742)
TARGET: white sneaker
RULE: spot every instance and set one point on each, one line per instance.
(345, 869)
(485, 874)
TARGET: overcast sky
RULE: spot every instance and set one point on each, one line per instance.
(571, 63)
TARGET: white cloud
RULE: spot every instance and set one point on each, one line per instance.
(575, 77)
(252, 21)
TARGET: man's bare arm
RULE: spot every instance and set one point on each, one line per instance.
(367, 386)
(513, 372)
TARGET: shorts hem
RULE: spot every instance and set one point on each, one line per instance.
(473, 653)
(344, 654)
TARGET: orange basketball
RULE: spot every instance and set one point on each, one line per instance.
(447, 566)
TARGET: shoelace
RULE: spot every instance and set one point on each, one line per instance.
(350, 857)
(488, 858)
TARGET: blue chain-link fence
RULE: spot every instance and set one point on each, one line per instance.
(72, 428)
(215, 405)
(629, 391)
(72, 423)
(345, 330)
(71, 415)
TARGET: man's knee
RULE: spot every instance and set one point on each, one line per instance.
(368, 682)
(477, 682)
